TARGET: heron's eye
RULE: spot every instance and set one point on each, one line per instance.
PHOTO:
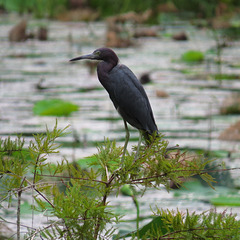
(97, 53)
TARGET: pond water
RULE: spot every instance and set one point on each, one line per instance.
(189, 117)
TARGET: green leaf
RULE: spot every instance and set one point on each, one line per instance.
(26, 208)
(87, 161)
(154, 228)
(225, 201)
(195, 187)
(54, 107)
(192, 56)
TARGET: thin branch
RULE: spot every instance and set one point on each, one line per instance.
(40, 230)
(107, 191)
(14, 223)
(79, 178)
(198, 171)
(41, 194)
(19, 209)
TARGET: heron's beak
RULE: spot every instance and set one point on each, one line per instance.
(88, 56)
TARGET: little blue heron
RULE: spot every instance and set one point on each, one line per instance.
(126, 92)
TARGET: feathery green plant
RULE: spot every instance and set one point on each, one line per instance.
(82, 210)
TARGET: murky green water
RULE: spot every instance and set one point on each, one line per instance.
(189, 117)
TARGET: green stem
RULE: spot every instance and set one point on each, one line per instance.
(138, 211)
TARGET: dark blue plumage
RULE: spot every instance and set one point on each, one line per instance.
(129, 98)
(125, 91)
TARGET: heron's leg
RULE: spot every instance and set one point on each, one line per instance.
(139, 144)
(126, 140)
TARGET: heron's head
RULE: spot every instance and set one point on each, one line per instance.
(105, 54)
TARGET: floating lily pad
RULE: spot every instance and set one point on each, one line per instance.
(193, 56)
(54, 107)
(226, 201)
(85, 162)
(26, 208)
(195, 187)
(221, 196)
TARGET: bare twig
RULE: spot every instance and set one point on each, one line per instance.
(41, 194)
(19, 209)
(69, 177)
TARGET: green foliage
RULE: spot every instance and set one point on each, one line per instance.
(82, 210)
(48, 8)
(177, 225)
(20, 6)
(128, 190)
(40, 8)
(203, 8)
(54, 107)
(12, 164)
(158, 226)
(111, 7)
(193, 56)
(207, 225)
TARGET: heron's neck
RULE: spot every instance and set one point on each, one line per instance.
(103, 70)
(107, 66)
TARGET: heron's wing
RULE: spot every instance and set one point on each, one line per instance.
(130, 98)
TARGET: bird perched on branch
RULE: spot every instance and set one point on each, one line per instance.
(126, 92)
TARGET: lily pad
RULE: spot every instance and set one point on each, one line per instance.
(226, 201)
(193, 56)
(84, 163)
(54, 107)
(221, 196)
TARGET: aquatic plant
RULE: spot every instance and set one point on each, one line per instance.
(54, 107)
(193, 56)
(83, 211)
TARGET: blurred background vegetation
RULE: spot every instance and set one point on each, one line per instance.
(105, 8)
